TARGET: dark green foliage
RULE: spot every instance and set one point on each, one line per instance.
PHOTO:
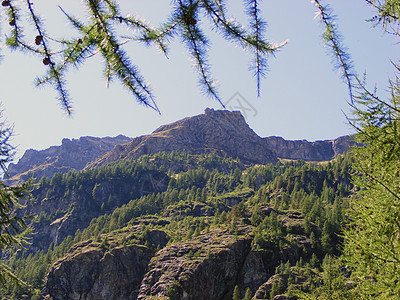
(103, 32)
(191, 206)
(236, 294)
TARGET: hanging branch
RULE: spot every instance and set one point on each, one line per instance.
(257, 26)
(253, 41)
(333, 41)
(54, 72)
(197, 45)
(117, 59)
(97, 35)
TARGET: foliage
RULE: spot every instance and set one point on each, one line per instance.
(13, 228)
(191, 205)
(106, 30)
(372, 243)
(331, 284)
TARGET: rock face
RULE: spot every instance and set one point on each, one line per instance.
(309, 151)
(221, 131)
(71, 155)
(203, 268)
(207, 266)
(90, 272)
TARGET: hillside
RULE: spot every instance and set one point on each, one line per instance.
(223, 132)
(202, 208)
(134, 230)
(71, 155)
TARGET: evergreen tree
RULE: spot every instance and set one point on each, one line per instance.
(13, 229)
(247, 295)
(372, 243)
(236, 294)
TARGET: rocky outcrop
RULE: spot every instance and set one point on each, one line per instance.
(71, 155)
(309, 151)
(63, 211)
(206, 266)
(220, 131)
(91, 272)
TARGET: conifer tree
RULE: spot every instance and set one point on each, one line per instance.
(372, 241)
(13, 229)
(236, 294)
(247, 295)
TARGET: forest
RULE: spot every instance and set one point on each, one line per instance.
(293, 204)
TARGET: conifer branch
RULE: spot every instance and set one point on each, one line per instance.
(149, 34)
(97, 36)
(117, 59)
(197, 45)
(258, 27)
(333, 39)
(54, 72)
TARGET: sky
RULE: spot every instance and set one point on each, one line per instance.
(302, 97)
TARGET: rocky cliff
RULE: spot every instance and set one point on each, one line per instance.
(309, 151)
(207, 266)
(214, 131)
(71, 155)
(219, 131)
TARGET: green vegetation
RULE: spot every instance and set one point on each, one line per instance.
(13, 228)
(104, 31)
(372, 241)
(283, 203)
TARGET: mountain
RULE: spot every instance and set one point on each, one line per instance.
(216, 131)
(309, 151)
(219, 131)
(71, 155)
(198, 209)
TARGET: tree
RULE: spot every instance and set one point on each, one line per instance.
(331, 285)
(372, 244)
(236, 294)
(13, 229)
(247, 295)
(104, 33)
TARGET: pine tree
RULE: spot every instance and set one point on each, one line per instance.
(13, 229)
(247, 295)
(371, 242)
(236, 294)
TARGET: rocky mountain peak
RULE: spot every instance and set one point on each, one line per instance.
(70, 155)
(220, 131)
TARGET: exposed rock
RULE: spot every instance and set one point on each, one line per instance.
(207, 266)
(280, 297)
(309, 151)
(90, 272)
(203, 268)
(71, 155)
(219, 131)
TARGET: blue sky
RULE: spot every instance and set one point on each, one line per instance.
(302, 97)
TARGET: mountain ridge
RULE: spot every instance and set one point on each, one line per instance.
(221, 131)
